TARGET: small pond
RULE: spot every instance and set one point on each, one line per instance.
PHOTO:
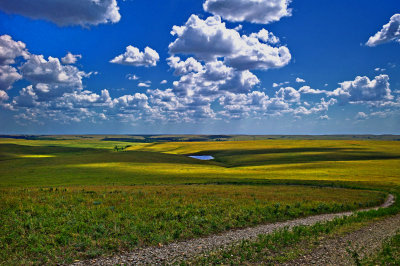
(202, 157)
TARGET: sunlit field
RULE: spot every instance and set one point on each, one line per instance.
(93, 161)
(56, 225)
(79, 198)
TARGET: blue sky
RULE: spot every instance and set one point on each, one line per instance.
(230, 67)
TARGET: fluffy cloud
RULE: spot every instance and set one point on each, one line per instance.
(164, 81)
(389, 32)
(361, 116)
(138, 101)
(206, 39)
(322, 106)
(133, 57)
(309, 90)
(214, 77)
(10, 49)
(66, 12)
(164, 100)
(240, 81)
(241, 105)
(184, 67)
(199, 85)
(26, 98)
(50, 78)
(266, 36)
(167, 106)
(145, 84)
(85, 99)
(51, 81)
(362, 89)
(210, 39)
(38, 70)
(8, 75)
(255, 11)
(258, 55)
(258, 104)
(70, 58)
(219, 71)
(288, 94)
(300, 80)
(3, 96)
(70, 107)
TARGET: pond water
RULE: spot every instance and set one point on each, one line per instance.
(202, 157)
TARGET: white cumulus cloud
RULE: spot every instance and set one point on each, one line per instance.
(362, 89)
(133, 57)
(50, 78)
(8, 75)
(389, 32)
(184, 67)
(288, 94)
(255, 11)
(309, 90)
(214, 77)
(3, 96)
(266, 36)
(144, 84)
(39, 70)
(70, 58)
(209, 39)
(10, 49)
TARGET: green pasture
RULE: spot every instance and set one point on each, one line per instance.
(94, 162)
(78, 197)
(58, 225)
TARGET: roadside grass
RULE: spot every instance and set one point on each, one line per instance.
(288, 244)
(388, 255)
(57, 225)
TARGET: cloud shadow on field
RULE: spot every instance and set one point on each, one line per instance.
(69, 155)
(224, 158)
(258, 157)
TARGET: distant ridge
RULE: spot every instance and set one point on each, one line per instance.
(200, 138)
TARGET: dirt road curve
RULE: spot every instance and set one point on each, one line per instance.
(364, 242)
(179, 251)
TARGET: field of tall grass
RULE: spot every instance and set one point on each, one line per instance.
(66, 199)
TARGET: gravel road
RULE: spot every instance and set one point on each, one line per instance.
(183, 250)
(366, 241)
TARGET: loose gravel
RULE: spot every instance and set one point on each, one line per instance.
(364, 242)
(180, 251)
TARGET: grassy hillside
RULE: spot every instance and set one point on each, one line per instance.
(74, 198)
(91, 162)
